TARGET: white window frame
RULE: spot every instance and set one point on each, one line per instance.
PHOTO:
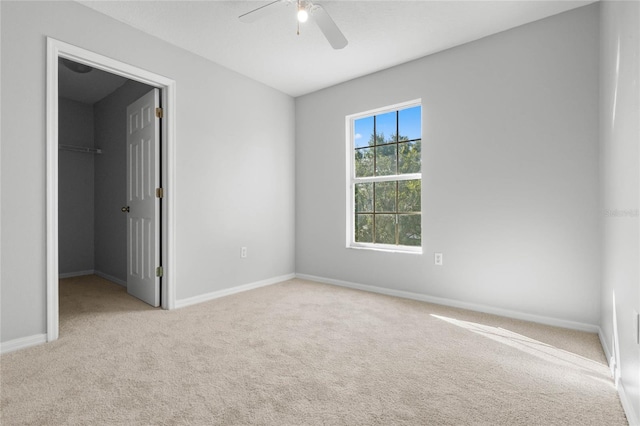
(352, 180)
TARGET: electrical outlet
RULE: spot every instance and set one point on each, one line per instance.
(243, 252)
(437, 259)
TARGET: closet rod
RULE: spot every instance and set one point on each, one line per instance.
(80, 149)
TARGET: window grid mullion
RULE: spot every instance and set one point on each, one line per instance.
(397, 139)
(375, 157)
(373, 226)
(388, 143)
(397, 238)
(388, 178)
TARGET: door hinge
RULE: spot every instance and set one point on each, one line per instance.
(159, 271)
(159, 113)
(159, 192)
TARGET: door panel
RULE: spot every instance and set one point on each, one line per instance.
(143, 177)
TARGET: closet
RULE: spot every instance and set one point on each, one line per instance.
(92, 171)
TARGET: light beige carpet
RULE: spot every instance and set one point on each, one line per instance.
(301, 353)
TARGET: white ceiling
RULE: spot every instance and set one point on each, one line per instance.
(381, 34)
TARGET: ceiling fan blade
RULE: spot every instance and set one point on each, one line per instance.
(263, 11)
(328, 27)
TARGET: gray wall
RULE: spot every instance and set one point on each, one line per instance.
(234, 160)
(620, 171)
(510, 173)
(75, 188)
(111, 178)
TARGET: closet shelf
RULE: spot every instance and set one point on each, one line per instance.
(79, 149)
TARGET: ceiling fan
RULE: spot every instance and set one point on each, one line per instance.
(306, 10)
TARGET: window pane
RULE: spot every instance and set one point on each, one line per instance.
(409, 195)
(364, 162)
(409, 229)
(409, 157)
(386, 127)
(385, 197)
(385, 145)
(385, 229)
(364, 228)
(363, 132)
(409, 123)
(364, 197)
(386, 162)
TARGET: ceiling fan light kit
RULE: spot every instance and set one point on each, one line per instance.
(303, 15)
(304, 11)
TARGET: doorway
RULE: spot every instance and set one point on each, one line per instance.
(57, 52)
(92, 170)
(99, 161)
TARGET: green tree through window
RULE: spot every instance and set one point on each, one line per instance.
(387, 177)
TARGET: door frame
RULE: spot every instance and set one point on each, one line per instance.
(59, 49)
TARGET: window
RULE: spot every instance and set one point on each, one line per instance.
(385, 178)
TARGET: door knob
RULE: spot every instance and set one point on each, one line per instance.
(125, 209)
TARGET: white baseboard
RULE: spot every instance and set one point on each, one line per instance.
(229, 291)
(76, 274)
(93, 272)
(111, 278)
(573, 325)
(603, 342)
(607, 352)
(632, 416)
(22, 343)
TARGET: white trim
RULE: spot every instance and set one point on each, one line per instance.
(349, 130)
(627, 406)
(94, 272)
(76, 274)
(611, 361)
(0, 162)
(111, 278)
(388, 248)
(56, 49)
(556, 322)
(168, 142)
(605, 347)
(22, 343)
(395, 107)
(52, 190)
(233, 290)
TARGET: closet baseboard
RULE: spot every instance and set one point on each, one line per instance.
(76, 274)
(111, 278)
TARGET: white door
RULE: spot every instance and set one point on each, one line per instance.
(143, 217)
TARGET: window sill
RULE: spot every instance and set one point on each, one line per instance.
(387, 249)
